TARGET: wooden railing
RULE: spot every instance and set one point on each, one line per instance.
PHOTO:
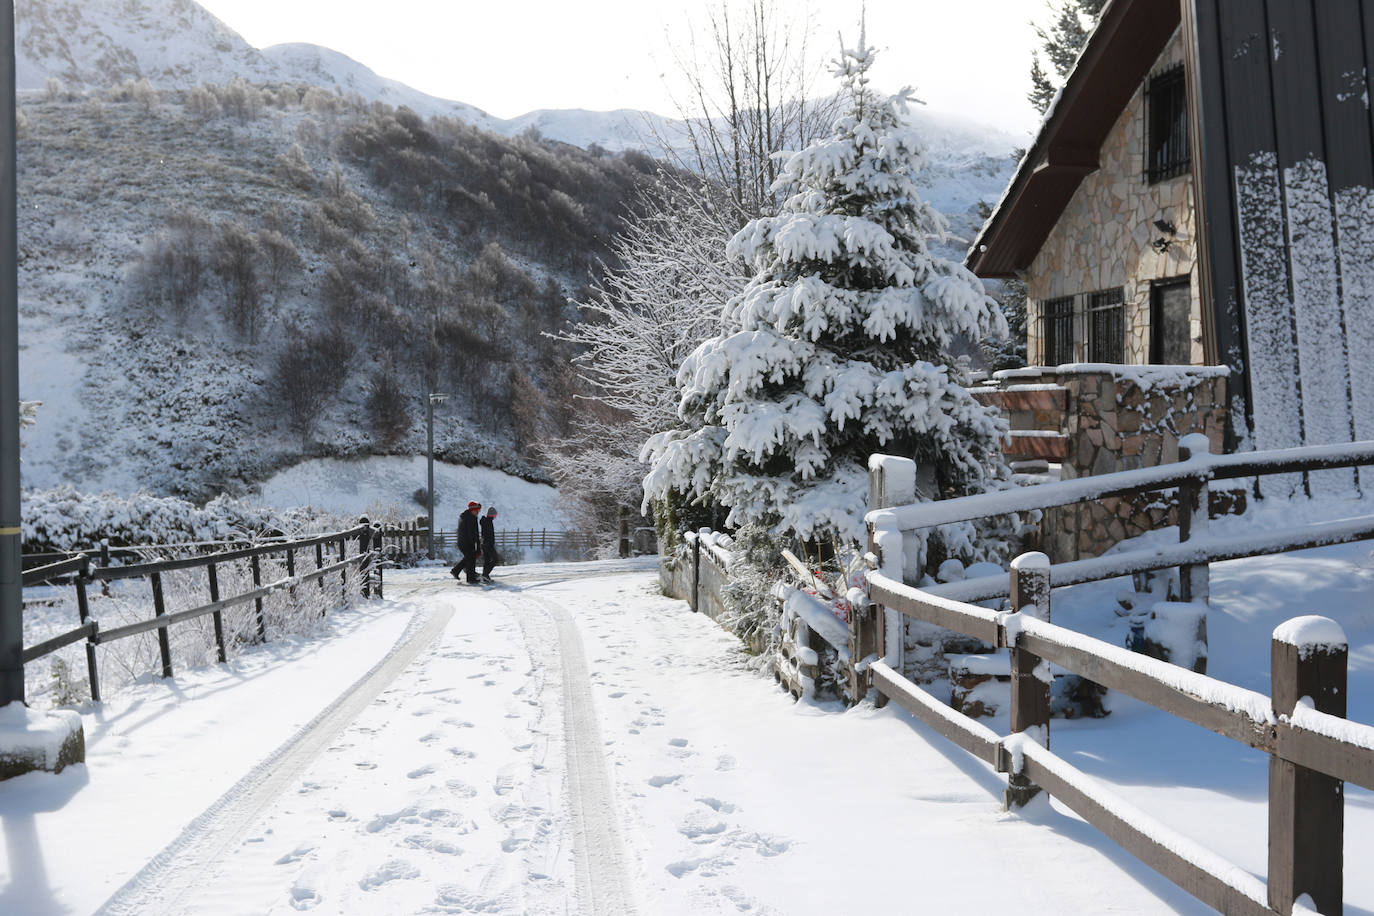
(1313, 749)
(80, 574)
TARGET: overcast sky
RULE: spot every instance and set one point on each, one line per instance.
(511, 56)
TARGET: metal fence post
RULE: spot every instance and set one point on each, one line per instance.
(1306, 808)
(1030, 688)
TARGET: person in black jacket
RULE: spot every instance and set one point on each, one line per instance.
(488, 525)
(467, 544)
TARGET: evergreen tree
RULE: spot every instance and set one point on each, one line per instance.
(837, 348)
(1060, 45)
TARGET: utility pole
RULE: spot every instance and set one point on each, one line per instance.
(11, 580)
(429, 452)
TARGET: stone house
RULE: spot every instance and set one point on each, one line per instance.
(1200, 194)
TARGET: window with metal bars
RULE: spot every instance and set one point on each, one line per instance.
(1106, 329)
(1057, 330)
(1166, 139)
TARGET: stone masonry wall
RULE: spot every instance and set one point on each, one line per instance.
(1103, 239)
(1120, 419)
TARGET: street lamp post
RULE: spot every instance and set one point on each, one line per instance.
(11, 582)
(429, 452)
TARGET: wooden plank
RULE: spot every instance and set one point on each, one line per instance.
(1086, 657)
(972, 736)
(1264, 279)
(1350, 168)
(53, 570)
(1152, 844)
(1054, 399)
(1021, 444)
(1323, 358)
(136, 570)
(1345, 761)
(85, 631)
(952, 615)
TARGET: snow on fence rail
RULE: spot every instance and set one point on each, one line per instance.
(1314, 750)
(79, 572)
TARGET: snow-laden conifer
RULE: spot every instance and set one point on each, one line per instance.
(839, 345)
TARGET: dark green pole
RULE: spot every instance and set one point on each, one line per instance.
(11, 583)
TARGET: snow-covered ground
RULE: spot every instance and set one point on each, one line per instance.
(382, 486)
(575, 742)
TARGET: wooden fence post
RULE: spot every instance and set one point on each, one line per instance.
(83, 608)
(364, 545)
(160, 610)
(257, 602)
(876, 630)
(213, 573)
(696, 570)
(624, 531)
(291, 573)
(1306, 808)
(1193, 504)
(343, 571)
(319, 565)
(1030, 688)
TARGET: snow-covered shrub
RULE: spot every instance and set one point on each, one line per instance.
(63, 518)
(840, 345)
(755, 569)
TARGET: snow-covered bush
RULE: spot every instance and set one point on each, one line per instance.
(63, 518)
(839, 346)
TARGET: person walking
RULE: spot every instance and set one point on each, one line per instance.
(468, 544)
(489, 558)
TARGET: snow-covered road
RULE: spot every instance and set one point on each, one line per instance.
(572, 743)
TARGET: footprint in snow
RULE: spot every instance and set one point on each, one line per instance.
(701, 827)
(295, 855)
(427, 843)
(659, 782)
(461, 789)
(425, 770)
(716, 804)
(678, 742)
(462, 752)
(393, 870)
(304, 898)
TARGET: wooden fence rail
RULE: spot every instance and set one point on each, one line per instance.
(80, 574)
(1313, 749)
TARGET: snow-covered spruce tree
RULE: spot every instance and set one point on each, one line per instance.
(838, 347)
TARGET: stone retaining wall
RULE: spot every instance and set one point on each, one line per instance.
(1115, 418)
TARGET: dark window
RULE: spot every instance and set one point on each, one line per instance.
(1166, 139)
(1058, 328)
(1171, 305)
(1106, 331)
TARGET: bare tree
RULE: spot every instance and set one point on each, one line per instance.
(750, 77)
(235, 261)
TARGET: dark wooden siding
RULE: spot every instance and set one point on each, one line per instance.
(1282, 132)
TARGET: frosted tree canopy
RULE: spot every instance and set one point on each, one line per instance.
(839, 345)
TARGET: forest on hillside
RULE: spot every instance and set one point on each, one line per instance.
(274, 272)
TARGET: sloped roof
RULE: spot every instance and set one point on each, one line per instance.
(1130, 36)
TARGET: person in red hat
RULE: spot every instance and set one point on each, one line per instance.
(468, 544)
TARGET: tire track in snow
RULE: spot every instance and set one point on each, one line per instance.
(161, 884)
(603, 886)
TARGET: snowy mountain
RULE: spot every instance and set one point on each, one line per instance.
(178, 44)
